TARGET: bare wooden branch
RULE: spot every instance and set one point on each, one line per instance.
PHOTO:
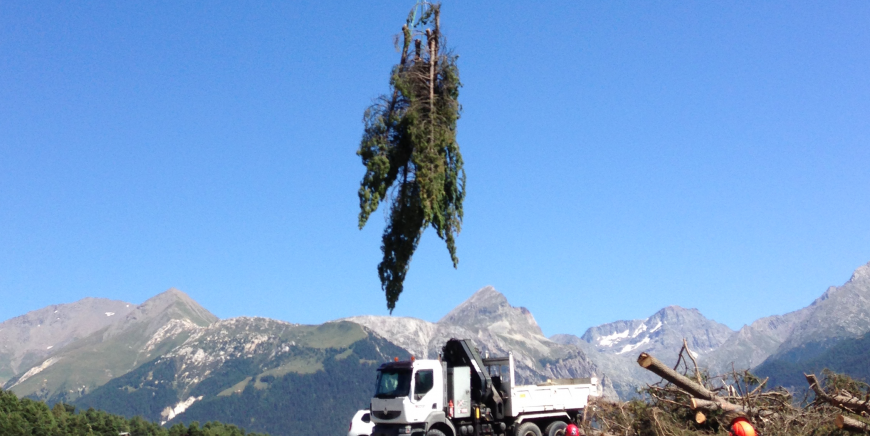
(433, 58)
(815, 386)
(694, 362)
(760, 386)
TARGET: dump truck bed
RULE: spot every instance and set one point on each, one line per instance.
(551, 397)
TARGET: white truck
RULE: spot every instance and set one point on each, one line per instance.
(462, 394)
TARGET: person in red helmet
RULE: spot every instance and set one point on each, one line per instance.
(572, 430)
(740, 426)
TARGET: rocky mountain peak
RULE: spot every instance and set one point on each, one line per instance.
(662, 333)
(669, 314)
(172, 304)
(486, 308)
(676, 315)
(674, 311)
(825, 295)
(841, 312)
(861, 274)
(485, 300)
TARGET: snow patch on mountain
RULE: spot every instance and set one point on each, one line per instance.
(36, 370)
(632, 347)
(609, 340)
(662, 333)
(171, 412)
(640, 329)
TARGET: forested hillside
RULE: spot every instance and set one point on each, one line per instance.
(26, 417)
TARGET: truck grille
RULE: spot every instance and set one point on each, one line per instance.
(391, 414)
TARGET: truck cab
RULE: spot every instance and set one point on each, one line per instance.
(408, 392)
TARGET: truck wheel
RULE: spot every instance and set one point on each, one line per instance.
(528, 429)
(434, 432)
(556, 428)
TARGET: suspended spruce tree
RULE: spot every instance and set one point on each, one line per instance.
(410, 152)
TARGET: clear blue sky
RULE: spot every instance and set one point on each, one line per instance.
(621, 156)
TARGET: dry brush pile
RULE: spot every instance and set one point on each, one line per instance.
(690, 402)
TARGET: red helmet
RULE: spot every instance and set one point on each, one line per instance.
(572, 430)
(741, 427)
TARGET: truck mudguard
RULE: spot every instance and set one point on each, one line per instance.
(439, 417)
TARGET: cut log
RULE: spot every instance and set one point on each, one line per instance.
(681, 381)
(713, 406)
(850, 404)
(845, 423)
(700, 418)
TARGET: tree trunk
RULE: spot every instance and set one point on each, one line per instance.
(683, 382)
(849, 424)
(433, 57)
(712, 406)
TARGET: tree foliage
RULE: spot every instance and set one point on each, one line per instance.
(26, 417)
(410, 151)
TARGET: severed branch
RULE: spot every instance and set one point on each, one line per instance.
(850, 424)
(712, 406)
(760, 386)
(694, 362)
(691, 387)
(847, 403)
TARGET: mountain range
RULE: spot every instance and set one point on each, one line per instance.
(170, 360)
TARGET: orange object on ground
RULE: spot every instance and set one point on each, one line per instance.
(741, 427)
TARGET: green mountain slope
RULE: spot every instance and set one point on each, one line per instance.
(257, 373)
(848, 356)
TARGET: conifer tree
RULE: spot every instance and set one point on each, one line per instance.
(410, 152)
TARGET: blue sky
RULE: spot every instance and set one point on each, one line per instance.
(621, 156)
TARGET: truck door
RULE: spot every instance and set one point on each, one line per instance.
(424, 381)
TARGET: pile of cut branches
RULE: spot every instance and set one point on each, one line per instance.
(690, 402)
(847, 395)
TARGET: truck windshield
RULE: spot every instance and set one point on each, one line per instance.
(393, 383)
